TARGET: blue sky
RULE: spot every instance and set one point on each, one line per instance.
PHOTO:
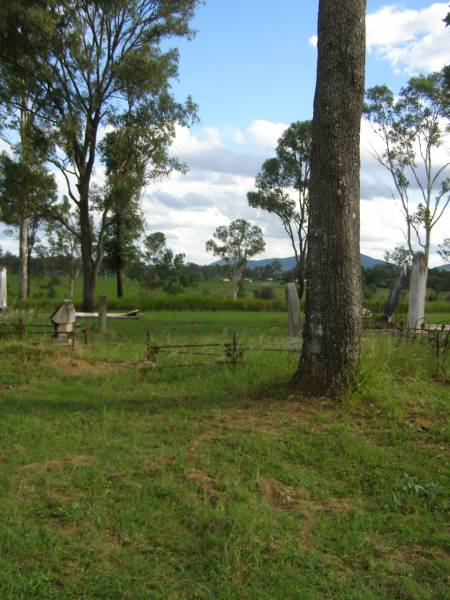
(252, 57)
(251, 70)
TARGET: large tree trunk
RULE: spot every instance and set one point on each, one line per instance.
(417, 290)
(332, 329)
(120, 277)
(88, 266)
(23, 258)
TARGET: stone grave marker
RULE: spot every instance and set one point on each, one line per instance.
(63, 320)
(293, 305)
(3, 289)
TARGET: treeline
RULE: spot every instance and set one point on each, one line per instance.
(174, 277)
(384, 275)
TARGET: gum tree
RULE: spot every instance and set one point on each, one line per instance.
(283, 189)
(412, 129)
(331, 337)
(235, 244)
(98, 51)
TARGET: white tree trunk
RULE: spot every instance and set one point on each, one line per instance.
(417, 291)
(23, 259)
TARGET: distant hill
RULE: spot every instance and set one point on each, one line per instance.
(443, 267)
(289, 263)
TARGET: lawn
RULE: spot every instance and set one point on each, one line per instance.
(206, 296)
(120, 481)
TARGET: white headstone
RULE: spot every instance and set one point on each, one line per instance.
(63, 320)
(417, 291)
(293, 310)
(3, 289)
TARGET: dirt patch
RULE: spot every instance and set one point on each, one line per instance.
(74, 365)
(158, 463)
(420, 422)
(205, 484)
(283, 496)
(69, 462)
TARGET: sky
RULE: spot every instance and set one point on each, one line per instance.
(251, 70)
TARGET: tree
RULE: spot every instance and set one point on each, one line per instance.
(235, 244)
(64, 244)
(164, 268)
(98, 56)
(279, 180)
(399, 258)
(331, 337)
(411, 129)
(25, 188)
(444, 250)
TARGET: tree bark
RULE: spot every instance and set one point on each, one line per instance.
(71, 287)
(88, 267)
(23, 258)
(120, 277)
(332, 331)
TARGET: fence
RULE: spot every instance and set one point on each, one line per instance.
(21, 330)
(435, 339)
(232, 352)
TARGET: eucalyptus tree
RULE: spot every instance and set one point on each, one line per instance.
(63, 244)
(26, 184)
(283, 189)
(26, 187)
(94, 55)
(444, 250)
(331, 337)
(235, 244)
(412, 130)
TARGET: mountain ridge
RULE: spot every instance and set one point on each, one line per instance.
(289, 263)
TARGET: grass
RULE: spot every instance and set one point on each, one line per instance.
(220, 483)
(206, 296)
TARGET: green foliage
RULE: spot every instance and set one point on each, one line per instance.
(411, 128)
(164, 268)
(101, 64)
(235, 244)
(267, 292)
(282, 176)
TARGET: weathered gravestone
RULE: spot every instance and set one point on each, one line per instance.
(3, 289)
(417, 291)
(293, 305)
(63, 320)
(102, 314)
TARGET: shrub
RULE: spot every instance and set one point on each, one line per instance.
(265, 293)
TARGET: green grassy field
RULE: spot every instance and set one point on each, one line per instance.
(119, 481)
(203, 297)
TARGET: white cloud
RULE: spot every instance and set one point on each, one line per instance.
(266, 133)
(239, 137)
(409, 40)
(313, 41)
(188, 143)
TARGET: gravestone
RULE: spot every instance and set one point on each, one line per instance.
(63, 320)
(102, 314)
(417, 291)
(3, 289)
(293, 305)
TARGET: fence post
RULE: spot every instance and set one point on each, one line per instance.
(20, 329)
